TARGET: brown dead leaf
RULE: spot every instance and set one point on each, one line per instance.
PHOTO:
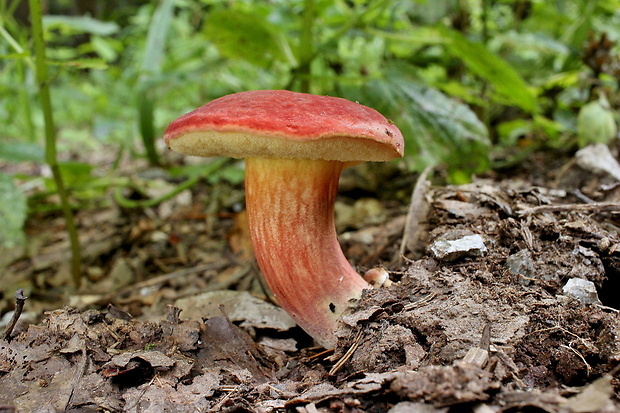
(461, 209)
(227, 346)
(239, 306)
(97, 393)
(183, 335)
(155, 358)
(594, 397)
(163, 397)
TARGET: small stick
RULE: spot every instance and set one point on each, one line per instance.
(20, 299)
(348, 354)
(321, 354)
(412, 224)
(578, 354)
(595, 207)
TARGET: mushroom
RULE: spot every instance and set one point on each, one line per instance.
(295, 145)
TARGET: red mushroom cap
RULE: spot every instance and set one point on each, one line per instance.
(284, 124)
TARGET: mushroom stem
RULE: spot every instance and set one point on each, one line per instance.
(290, 205)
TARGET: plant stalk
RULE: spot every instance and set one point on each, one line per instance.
(148, 203)
(146, 121)
(306, 46)
(50, 137)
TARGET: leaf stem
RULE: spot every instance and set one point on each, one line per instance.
(147, 203)
(306, 46)
(50, 137)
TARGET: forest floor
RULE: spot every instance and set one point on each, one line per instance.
(507, 299)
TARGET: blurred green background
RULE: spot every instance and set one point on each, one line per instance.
(472, 84)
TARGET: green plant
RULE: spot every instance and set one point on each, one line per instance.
(472, 84)
(13, 213)
(50, 137)
(150, 70)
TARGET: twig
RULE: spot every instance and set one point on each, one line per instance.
(232, 390)
(77, 379)
(420, 303)
(582, 197)
(595, 207)
(604, 307)
(321, 354)
(412, 224)
(561, 329)
(348, 354)
(20, 299)
(578, 354)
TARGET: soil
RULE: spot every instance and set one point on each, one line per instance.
(173, 316)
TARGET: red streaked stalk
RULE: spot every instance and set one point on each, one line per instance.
(290, 205)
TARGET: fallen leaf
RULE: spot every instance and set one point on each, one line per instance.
(594, 397)
(239, 306)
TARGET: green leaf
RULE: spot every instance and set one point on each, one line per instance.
(241, 35)
(74, 174)
(15, 56)
(510, 131)
(481, 61)
(80, 63)
(454, 134)
(13, 213)
(21, 152)
(156, 37)
(507, 84)
(202, 170)
(437, 129)
(430, 12)
(105, 47)
(233, 174)
(81, 24)
(533, 42)
(595, 124)
(151, 67)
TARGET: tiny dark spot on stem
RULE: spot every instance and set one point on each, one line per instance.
(332, 307)
(390, 134)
